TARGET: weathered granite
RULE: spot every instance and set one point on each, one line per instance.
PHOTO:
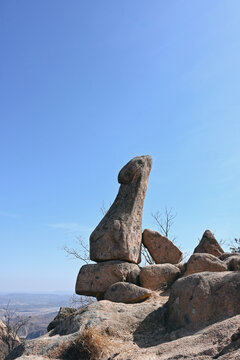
(119, 235)
(126, 293)
(95, 279)
(209, 244)
(161, 249)
(158, 276)
(203, 298)
(204, 262)
(233, 262)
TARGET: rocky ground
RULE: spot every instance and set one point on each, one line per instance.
(168, 310)
(107, 330)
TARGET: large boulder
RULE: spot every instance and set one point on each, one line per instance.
(233, 262)
(63, 313)
(126, 293)
(158, 276)
(226, 255)
(160, 248)
(182, 267)
(204, 262)
(209, 244)
(203, 298)
(95, 279)
(119, 235)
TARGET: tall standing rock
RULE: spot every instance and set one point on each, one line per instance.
(118, 236)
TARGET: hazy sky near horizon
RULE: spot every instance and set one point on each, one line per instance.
(87, 85)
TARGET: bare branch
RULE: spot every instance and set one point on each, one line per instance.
(103, 208)
(13, 325)
(147, 257)
(165, 222)
(185, 256)
(81, 301)
(81, 252)
(235, 246)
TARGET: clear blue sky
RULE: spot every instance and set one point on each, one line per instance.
(87, 85)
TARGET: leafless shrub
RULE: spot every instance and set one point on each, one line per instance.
(81, 252)
(165, 222)
(235, 246)
(79, 301)
(103, 208)
(13, 323)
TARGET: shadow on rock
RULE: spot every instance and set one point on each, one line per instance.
(231, 347)
(15, 353)
(151, 330)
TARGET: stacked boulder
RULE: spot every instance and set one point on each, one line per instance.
(166, 256)
(210, 282)
(208, 256)
(115, 244)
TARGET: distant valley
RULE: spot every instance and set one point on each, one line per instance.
(40, 308)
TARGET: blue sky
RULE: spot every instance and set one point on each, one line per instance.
(87, 85)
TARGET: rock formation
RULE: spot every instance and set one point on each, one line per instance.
(150, 330)
(63, 313)
(158, 276)
(126, 293)
(203, 298)
(118, 235)
(160, 248)
(162, 311)
(94, 279)
(209, 244)
(204, 262)
(233, 262)
(116, 242)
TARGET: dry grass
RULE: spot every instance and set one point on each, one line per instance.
(90, 344)
(96, 343)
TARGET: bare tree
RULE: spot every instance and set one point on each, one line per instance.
(165, 221)
(235, 246)
(13, 323)
(81, 252)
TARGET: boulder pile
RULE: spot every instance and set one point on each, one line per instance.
(197, 317)
(115, 246)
